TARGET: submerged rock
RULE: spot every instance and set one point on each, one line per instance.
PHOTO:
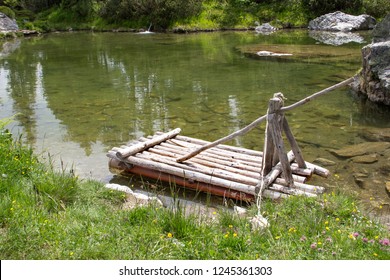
(268, 53)
(376, 134)
(324, 162)
(7, 24)
(339, 21)
(365, 159)
(361, 149)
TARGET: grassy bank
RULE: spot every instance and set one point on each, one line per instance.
(49, 214)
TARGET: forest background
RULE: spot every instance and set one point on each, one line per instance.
(178, 15)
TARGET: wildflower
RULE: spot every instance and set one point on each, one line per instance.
(351, 236)
(375, 254)
(303, 238)
(333, 253)
(337, 220)
(326, 222)
(313, 245)
(169, 235)
(230, 226)
(365, 239)
(384, 242)
(320, 249)
(278, 237)
(292, 230)
(327, 228)
(355, 234)
(371, 198)
(329, 239)
(235, 234)
(319, 243)
(372, 241)
(71, 254)
(226, 235)
(214, 213)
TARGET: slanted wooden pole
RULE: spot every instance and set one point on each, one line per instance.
(294, 145)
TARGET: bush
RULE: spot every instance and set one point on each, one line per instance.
(378, 9)
(319, 7)
(7, 11)
(161, 13)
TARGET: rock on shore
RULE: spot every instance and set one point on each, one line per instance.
(7, 24)
(339, 21)
(374, 78)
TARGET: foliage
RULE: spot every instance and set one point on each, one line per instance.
(7, 11)
(377, 8)
(318, 7)
(160, 13)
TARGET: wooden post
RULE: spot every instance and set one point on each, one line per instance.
(274, 145)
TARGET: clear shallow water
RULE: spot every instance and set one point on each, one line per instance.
(79, 94)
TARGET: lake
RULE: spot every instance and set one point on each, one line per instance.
(80, 94)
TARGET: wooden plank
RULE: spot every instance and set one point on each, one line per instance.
(123, 153)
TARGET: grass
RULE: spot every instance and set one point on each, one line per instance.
(49, 214)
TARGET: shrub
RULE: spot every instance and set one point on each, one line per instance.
(7, 11)
(319, 7)
(161, 13)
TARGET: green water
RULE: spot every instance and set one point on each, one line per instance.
(79, 94)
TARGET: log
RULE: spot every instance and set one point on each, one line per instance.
(318, 170)
(190, 175)
(115, 163)
(132, 150)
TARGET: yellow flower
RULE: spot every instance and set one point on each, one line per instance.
(230, 226)
(327, 228)
(337, 220)
(234, 234)
(326, 222)
(169, 235)
(277, 237)
(214, 213)
(375, 254)
(293, 229)
(226, 235)
(319, 242)
(71, 254)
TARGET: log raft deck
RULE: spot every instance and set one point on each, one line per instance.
(223, 170)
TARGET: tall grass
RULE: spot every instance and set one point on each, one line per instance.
(49, 214)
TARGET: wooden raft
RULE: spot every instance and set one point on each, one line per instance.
(223, 170)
